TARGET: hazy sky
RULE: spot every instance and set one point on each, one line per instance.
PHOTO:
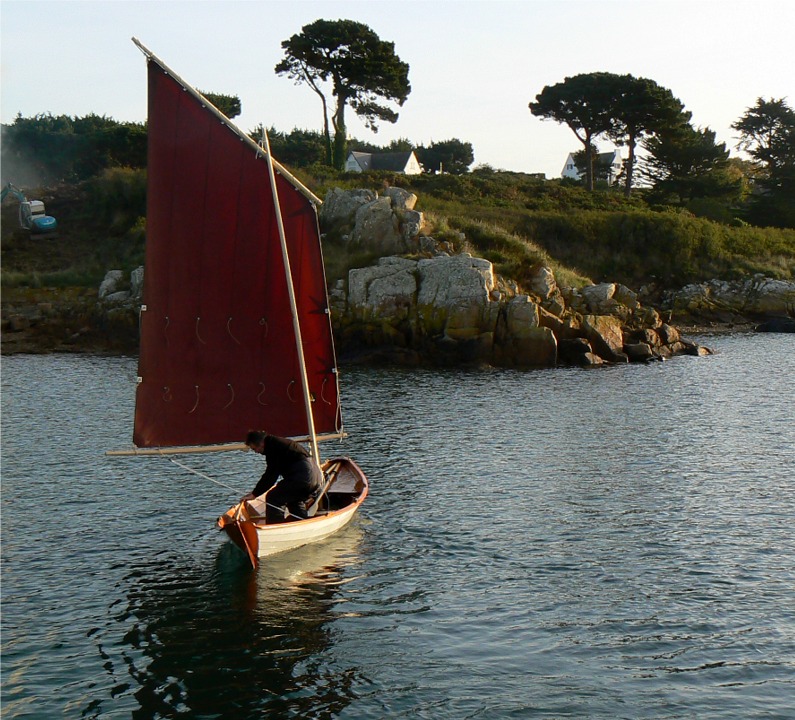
(474, 65)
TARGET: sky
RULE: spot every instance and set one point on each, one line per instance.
(474, 64)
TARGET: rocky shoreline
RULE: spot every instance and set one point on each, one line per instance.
(55, 322)
(84, 326)
(422, 303)
(452, 310)
(456, 316)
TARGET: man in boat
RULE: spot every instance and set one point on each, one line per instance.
(301, 478)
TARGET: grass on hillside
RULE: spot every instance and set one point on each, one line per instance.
(516, 221)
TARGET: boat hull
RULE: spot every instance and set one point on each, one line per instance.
(244, 523)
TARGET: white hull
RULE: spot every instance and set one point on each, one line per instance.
(249, 531)
(278, 538)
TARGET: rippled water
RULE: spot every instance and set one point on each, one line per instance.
(613, 543)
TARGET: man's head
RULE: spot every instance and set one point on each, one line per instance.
(256, 441)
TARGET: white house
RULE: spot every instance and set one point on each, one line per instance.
(401, 162)
(612, 160)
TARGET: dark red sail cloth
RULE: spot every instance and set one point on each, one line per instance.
(218, 353)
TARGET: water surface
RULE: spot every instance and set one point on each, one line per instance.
(612, 543)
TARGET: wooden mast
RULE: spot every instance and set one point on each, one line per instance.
(310, 420)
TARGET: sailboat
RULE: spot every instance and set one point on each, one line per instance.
(235, 328)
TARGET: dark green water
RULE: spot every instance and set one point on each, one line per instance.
(615, 543)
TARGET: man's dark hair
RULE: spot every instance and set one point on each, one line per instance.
(255, 437)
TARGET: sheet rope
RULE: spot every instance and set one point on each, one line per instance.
(202, 475)
(228, 487)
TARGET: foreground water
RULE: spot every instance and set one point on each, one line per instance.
(615, 543)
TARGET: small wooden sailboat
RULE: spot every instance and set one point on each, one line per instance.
(246, 522)
(235, 326)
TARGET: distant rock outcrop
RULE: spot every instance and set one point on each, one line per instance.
(757, 298)
(777, 325)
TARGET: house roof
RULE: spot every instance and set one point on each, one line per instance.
(609, 156)
(604, 157)
(383, 161)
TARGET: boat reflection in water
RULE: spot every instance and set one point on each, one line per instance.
(226, 642)
(284, 581)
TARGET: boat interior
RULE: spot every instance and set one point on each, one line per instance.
(343, 487)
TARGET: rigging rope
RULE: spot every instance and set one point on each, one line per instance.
(228, 487)
(201, 474)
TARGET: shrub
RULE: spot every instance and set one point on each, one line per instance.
(118, 196)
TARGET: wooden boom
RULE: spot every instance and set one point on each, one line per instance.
(194, 450)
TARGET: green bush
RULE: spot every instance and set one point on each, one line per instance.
(515, 220)
(676, 248)
(118, 196)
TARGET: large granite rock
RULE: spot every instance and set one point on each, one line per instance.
(606, 336)
(520, 339)
(338, 211)
(112, 283)
(137, 283)
(378, 228)
(385, 225)
(388, 289)
(543, 283)
(401, 199)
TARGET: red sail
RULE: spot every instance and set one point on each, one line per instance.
(218, 352)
